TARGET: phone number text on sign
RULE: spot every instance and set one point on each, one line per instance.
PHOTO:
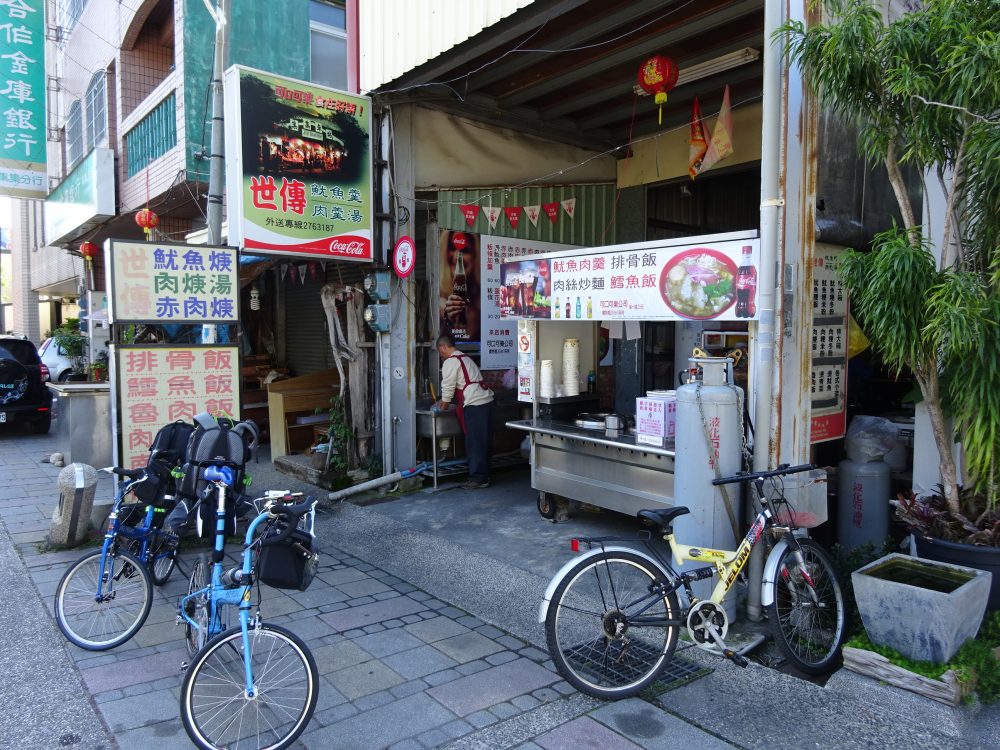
(158, 385)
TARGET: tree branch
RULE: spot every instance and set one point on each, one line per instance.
(950, 256)
(899, 188)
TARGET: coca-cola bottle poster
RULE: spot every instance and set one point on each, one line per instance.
(302, 184)
(458, 296)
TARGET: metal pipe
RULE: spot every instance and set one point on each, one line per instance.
(375, 483)
(216, 164)
(767, 365)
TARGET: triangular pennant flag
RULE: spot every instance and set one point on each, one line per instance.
(552, 210)
(470, 211)
(721, 145)
(532, 212)
(569, 206)
(493, 214)
(313, 271)
(302, 273)
(284, 271)
(513, 215)
(293, 274)
(698, 146)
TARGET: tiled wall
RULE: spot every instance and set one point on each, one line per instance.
(143, 68)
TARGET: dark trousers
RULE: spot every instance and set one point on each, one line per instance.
(479, 439)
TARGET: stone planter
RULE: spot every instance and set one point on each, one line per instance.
(980, 558)
(925, 610)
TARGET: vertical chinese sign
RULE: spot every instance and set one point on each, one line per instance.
(22, 88)
(160, 284)
(300, 182)
(828, 375)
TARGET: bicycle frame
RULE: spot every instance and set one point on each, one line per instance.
(114, 528)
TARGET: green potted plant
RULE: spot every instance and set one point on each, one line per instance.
(924, 94)
(99, 367)
(71, 341)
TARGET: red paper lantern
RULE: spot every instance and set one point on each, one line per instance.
(147, 220)
(657, 76)
(89, 250)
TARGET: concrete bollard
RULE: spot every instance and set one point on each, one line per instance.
(71, 520)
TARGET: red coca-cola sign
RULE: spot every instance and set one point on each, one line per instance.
(351, 247)
(459, 240)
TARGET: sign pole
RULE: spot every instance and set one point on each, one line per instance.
(216, 165)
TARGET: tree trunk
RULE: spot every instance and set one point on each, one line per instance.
(930, 388)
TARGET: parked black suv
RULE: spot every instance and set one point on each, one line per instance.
(23, 394)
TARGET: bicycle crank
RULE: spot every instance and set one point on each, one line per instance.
(708, 625)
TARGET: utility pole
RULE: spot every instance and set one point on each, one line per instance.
(216, 164)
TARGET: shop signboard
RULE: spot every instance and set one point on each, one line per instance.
(84, 200)
(298, 168)
(526, 361)
(828, 374)
(708, 279)
(153, 282)
(22, 75)
(156, 384)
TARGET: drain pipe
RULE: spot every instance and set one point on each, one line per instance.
(375, 483)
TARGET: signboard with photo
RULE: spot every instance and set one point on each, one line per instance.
(23, 127)
(828, 374)
(152, 282)
(649, 281)
(300, 183)
(155, 385)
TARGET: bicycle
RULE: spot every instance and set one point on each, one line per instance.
(254, 684)
(104, 597)
(613, 617)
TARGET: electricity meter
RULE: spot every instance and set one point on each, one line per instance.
(377, 285)
(378, 318)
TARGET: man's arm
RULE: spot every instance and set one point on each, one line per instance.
(449, 380)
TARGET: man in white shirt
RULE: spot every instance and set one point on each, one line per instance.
(462, 382)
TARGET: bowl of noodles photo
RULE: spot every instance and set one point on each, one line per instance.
(699, 284)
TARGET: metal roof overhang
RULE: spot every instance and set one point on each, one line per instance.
(565, 70)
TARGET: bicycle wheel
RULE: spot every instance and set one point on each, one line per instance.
(197, 608)
(600, 630)
(807, 614)
(161, 558)
(215, 707)
(95, 621)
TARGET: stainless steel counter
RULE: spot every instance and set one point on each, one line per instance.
(609, 471)
(83, 429)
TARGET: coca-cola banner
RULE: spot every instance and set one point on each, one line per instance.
(459, 307)
(651, 281)
(299, 182)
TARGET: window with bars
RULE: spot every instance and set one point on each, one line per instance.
(152, 137)
(68, 12)
(74, 135)
(97, 110)
(328, 44)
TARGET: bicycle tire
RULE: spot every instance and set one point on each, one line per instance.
(161, 564)
(809, 634)
(196, 638)
(115, 619)
(215, 682)
(582, 626)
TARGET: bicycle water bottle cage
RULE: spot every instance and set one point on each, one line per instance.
(222, 474)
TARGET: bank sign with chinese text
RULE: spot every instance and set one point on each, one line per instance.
(22, 99)
(299, 182)
(157, 385)
(153, 282)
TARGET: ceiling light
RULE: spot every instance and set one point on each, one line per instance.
(711, 67)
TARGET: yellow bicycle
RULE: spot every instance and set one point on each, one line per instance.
(613, 615)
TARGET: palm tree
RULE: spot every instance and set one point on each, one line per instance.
(924, 90)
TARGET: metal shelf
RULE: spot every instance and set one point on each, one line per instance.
(569, 399)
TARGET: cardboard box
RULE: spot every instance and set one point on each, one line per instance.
(656, 417)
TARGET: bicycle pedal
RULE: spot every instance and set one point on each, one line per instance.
(735, 658)
(184, 666)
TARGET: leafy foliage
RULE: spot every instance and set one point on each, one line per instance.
(846, 562)
(340, 435)
(977, 523)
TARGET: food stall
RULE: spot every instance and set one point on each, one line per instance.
(635, 455)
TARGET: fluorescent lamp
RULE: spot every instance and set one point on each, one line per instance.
(711, 67)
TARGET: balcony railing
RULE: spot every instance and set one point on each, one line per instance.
(152, 137)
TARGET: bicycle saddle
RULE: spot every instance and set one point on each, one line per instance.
(662, 518)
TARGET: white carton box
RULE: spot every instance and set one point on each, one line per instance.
(656, 417)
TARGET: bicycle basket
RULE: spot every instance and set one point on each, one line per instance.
(290, 564)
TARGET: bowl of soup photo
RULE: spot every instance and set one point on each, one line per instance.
(699, 284)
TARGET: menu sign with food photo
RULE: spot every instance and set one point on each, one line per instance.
(706, 281)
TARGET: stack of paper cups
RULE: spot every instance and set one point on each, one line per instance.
(546, 381)
(571, 367)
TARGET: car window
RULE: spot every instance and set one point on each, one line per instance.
(23, 351)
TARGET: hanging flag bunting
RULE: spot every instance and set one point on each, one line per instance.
(493, 214)
(293, 274)
(470, 211)
(284, 271)
(532, 212)
(302, 273)
(513, 215)
(313, 270)
(697, 143)
(551, 210)
(569, 206)
(721, 145)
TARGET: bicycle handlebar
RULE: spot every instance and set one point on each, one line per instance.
(292, 514)
(128, 473)
(782, 470)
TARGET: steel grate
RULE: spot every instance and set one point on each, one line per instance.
(587, 660)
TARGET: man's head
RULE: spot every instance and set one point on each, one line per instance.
(445, 345)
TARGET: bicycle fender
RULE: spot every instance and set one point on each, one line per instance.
(771, 573)
(543, 608)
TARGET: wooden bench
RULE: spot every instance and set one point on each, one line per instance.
(290, 399)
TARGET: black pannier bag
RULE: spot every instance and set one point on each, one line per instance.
(167, 452)
(290, 563)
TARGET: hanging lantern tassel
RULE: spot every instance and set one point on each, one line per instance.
(147, 219)
(89, 251)
(657, 76)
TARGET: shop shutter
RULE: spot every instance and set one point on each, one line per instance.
(307, 343)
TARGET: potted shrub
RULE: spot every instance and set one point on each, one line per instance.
(923, 92)
(69, 339)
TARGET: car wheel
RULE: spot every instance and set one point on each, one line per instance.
(64, 376)
(42, 426)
